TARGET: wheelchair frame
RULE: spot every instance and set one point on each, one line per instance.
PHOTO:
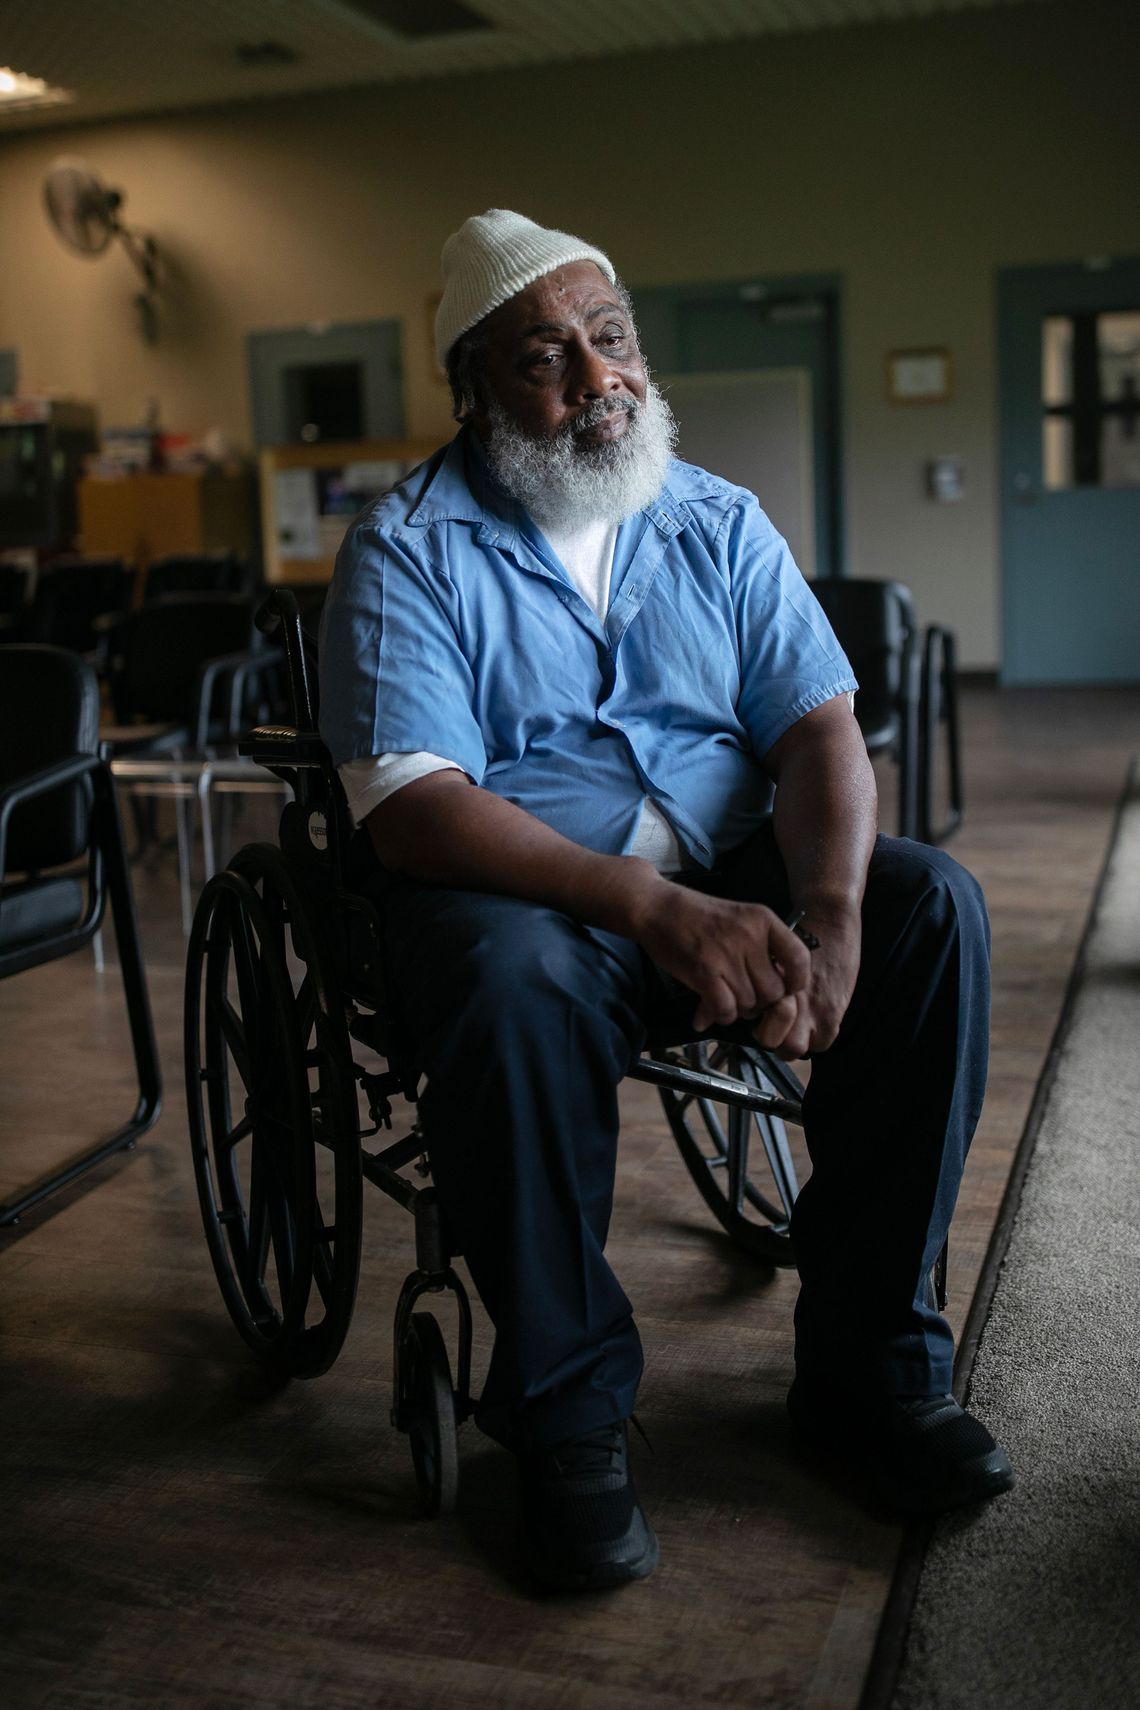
(287, 1041)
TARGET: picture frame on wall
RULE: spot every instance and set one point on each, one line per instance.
(924, 375)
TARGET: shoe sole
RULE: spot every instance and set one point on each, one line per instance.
(975, 1482)
(606, 1576)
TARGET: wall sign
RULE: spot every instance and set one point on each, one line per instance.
(920, 376)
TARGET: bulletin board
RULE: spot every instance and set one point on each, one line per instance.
(310, 494)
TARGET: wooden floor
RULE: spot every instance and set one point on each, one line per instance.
(180, 1532)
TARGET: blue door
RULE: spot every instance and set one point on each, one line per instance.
(1069, 354)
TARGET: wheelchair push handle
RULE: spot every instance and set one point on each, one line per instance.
(281, 612)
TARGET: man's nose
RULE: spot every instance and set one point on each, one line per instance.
(592, 376)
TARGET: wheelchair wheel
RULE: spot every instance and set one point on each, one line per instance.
(273, 1118)
(716, 1141)
(429, 1410)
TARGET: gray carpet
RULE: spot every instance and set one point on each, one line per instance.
(1035, 1600)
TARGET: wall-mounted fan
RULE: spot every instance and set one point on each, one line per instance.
(85, 213)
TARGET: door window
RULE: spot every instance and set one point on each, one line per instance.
(1090, 394)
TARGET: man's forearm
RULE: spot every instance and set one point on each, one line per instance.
(443, 830)
(825, 813)
(736, 957)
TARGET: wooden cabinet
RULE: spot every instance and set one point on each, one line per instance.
(142, 517)
(310, 494)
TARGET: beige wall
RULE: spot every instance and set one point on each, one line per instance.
(912, 159)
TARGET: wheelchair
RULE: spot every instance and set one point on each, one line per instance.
(289, 1029)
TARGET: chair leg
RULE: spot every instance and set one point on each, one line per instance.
(145, 823)
(185, 834)
(939, 707)
(206, 819)
(908, 745)
(107, 833)
(129, 945)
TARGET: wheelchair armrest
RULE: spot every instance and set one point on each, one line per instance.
(280, 612)
(282, 745)
(39, 783)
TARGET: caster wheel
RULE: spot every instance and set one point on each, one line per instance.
(429, 1410)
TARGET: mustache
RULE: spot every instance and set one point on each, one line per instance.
(594, 414)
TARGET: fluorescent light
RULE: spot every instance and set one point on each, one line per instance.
(17, 89)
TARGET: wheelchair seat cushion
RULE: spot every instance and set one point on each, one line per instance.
(39, 909)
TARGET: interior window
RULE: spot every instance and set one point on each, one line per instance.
(1090, 398)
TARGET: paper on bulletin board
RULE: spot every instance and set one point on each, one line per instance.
(296, 515)
(372, 478)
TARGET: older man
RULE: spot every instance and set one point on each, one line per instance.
(560, 673)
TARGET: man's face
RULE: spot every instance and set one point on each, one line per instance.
(556, 349)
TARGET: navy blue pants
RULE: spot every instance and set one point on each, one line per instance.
(525, 1023)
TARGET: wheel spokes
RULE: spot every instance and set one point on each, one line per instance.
(257, 1244)
(283, 1228)
(718, 1150)
(739, 1124)
(774, 1138)
(323, 1262)
(271, 1074)
(716, 1133)
(242, 1131)
(234, 1032)
(247, 968)
(306, 1007)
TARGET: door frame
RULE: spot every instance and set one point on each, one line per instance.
(375, 345)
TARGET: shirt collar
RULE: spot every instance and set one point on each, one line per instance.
(462, 490)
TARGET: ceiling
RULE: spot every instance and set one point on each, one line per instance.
(122, 57)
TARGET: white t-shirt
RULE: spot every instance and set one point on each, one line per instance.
(588, 555)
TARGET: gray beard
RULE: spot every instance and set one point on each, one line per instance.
(566, 482)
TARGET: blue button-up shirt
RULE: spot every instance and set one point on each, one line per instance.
(451, 627)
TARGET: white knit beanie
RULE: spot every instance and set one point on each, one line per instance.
(492, 257)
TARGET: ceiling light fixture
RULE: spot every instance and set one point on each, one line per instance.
(418, 20)
(17, 89)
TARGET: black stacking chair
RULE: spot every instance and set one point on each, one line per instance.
(906, 698)
(196, 573)
(13, 601)
(174, 666)
(188, 672)
(876, 627)
(61, 860)
(76, 600)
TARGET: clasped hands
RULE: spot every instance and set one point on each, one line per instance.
(745, 964)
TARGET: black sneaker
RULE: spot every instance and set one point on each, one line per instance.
(585, 1527)
(924, 1454)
